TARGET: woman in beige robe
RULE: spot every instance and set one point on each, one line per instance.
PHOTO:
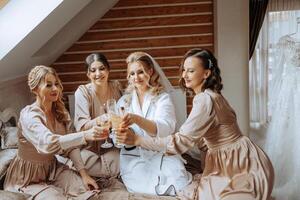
(235, 168)
(44, 131)
(90, 102)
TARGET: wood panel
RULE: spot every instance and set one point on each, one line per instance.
(140, 43)
(206, 18)
(166, 29)
(153, 11)
(123, 54)
(150, 32)
(126, 3)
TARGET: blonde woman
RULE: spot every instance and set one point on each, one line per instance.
(45, 128)
(90, 102)
(151, 113)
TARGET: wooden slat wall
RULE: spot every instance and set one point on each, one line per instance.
(166, 29)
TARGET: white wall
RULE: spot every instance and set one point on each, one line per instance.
(60, 30)
(15, 94)
(231, 31)
(43, 45)
(19, 18)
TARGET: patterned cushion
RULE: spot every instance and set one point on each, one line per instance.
(6, 156)
(9, 137)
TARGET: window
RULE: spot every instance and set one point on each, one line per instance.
(265, 59)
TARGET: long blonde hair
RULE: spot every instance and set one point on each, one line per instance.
(145, 60)
(35, 77)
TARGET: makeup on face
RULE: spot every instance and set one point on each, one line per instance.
(98, 72)
(49, 89)
(137, 74)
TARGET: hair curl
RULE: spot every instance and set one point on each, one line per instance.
(214, 81)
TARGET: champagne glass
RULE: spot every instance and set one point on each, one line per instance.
(115, 118)
(104, 122)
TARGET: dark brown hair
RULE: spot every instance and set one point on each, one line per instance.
(214, 81)
(96, 57)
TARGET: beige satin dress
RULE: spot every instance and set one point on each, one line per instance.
(99, 162)
(235, 168)
(35, 170)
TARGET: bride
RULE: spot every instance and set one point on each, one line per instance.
(151, 113)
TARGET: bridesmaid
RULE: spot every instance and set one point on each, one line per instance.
(45, 128)
(235, 168)
(90, 102)
(151, 113)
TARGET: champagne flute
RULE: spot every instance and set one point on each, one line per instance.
(104, 122)
(115, 118)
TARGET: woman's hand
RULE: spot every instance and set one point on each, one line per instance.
(130, 119)
(127, 136)
(89, 182)
(96, 134)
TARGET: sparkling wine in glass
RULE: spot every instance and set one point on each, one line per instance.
(104, 122)
(115, 118)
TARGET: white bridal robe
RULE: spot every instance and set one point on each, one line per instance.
(146, 171)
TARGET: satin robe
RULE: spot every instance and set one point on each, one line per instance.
(151, 172)
(35, 170)
(98, 162)
(235, 168)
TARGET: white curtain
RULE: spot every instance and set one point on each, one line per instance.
(269, 88)
(280, 20)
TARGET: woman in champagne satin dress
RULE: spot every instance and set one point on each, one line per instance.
(44, 132)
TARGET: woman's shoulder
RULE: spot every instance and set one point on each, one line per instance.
(204, 98)
(87, 86)
(31, 111)
(84, 90)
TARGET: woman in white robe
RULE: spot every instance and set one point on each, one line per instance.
(151, 113)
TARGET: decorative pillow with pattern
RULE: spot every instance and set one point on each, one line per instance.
(9, 138)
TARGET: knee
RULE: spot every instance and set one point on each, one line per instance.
(113, 161)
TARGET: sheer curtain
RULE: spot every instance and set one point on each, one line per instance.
(282, 142)
(280, 20)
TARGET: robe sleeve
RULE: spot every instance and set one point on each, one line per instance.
(33, 125)
(164, 116)
(82, 115)
(191, 132)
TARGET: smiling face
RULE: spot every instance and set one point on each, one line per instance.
(49, 89)
(194, 73)
(138, 75)
(98, 73)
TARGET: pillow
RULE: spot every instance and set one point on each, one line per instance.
(9, 138)
(1, 125)
(6, 156)
(6, 195)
